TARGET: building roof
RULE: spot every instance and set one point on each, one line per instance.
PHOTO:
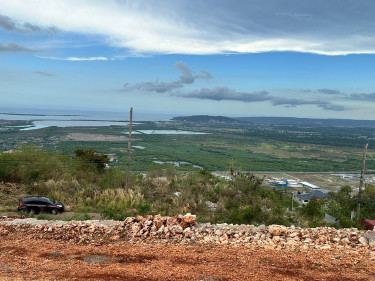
(369, 223)
(308, 195)
(310, 185)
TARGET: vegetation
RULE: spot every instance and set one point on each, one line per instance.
(84, 186)
(343, 203)
(90, 157)
(259, 145)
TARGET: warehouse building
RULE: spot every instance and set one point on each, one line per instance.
(309, 185)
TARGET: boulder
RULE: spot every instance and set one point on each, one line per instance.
(371, 239)
(114, 238)
(153, 230)
(336, 240)
(160, 230)
(363, 241)
(188, 233)
(179, 218)
(276, 239)
(345, 241)
(176, 229)
(188, 220)
(135, 227)
(172, 221)
(149, 217)
(158, 221)
(277, 230)
(148, 223)
(129, 220)
(138, 218)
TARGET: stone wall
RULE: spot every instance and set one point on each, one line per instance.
(184, 229)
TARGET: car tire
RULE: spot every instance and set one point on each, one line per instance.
(54, 211)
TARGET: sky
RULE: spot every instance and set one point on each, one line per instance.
(294, 58)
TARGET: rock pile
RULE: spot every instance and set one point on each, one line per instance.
(281, 237)
(183, 228)
(132, 229)
(176, 227)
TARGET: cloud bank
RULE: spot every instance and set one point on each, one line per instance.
(12, 47)
(187, 76)
(223, 93)
(11, 25)
(44, 73)
(362, 97)
(293, 102)
(335, 27)
(330, 92)
(77, 58)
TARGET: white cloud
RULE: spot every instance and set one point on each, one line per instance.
(335, 27)
(77, 58)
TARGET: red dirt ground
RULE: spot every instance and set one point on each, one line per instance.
(23, 257)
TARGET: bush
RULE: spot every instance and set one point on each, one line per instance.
(144, 208)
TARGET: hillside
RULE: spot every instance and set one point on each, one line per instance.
(312, 122)
(205, 119)
(308, 121)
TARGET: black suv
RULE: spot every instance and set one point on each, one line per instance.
(40, 204)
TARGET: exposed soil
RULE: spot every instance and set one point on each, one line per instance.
(94, 137)
(24, 257)
(59, 216)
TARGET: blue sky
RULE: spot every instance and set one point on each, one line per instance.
(236, 58)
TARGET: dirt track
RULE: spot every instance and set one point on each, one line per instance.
(23, 257)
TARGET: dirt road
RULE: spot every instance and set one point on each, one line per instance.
(24, 257)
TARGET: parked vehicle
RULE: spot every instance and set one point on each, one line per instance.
(40, 204)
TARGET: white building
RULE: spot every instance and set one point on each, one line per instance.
(292, 183)
(309, 185)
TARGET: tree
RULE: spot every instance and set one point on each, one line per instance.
(341, 206)
(313, 210)
(368, 206)
(90, 156)
(346, 191)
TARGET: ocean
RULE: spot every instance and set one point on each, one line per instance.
(42, 118)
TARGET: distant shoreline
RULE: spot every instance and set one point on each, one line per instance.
(33, 114)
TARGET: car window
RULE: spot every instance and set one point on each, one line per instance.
(42, 202)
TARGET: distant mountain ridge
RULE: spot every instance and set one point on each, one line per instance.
(278, 120)
(308, 121)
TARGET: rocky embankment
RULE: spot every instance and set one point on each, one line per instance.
(184, 229)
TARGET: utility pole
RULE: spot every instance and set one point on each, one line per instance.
(129, 149)
(361, 182)
(292, 201)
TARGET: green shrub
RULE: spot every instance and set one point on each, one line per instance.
(144, 208)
